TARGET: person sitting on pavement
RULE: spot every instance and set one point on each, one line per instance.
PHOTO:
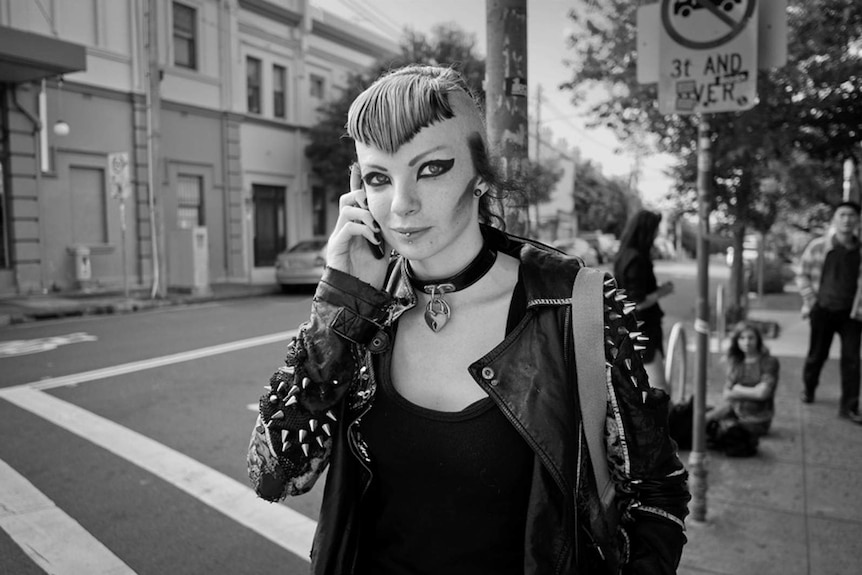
(752, 377)
(830, 283)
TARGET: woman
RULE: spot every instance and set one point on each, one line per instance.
(633, 270)
(752, 376)
(437, 384)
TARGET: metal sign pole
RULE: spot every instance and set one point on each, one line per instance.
(696, 460)
(123, 237)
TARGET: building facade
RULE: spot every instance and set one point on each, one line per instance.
(174, 157)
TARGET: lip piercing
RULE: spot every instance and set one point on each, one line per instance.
(408, 234)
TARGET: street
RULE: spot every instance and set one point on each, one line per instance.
(127, 435)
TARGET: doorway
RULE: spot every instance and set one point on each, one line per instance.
(269, 223)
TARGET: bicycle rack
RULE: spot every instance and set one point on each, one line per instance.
(677, 344)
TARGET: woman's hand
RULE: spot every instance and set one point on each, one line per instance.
(664, 289)
(356, 246)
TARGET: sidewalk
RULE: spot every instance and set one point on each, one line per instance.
(22, 309)
(795, 508)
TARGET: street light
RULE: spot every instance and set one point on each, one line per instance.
(61, 128)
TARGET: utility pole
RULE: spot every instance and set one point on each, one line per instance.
(538, 148)
(506, 97)
(154, 112)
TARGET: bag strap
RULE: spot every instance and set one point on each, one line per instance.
(588, 331)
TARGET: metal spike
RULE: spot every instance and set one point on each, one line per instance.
(614, 316)
(635, 381)
(610, 282)
(284, 435)
(620, 297)
(610, 342)
(640, 323)
(326, 429)
(643, 338)
(629, 363)
(303, 433)
(312, 425)
(622, 330)
(278, 415)
(639, 347)
(273, 398)
(608, 308)
(305, 382)
(288, 369)
(319, 439)
(290, 401)
(635, 334)
(305, 449)
(293, 391)
(268, 388)
(331, 416)
(644, 396)
(610, 293)
(281, 386)
(622, 291)
(629, 308)
(268, 423)
(614, 352)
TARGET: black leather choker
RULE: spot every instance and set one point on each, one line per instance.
(437, 311)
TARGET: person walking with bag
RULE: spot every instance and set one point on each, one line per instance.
(435, 378)
(829, 283)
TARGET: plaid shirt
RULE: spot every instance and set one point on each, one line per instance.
(811, 270)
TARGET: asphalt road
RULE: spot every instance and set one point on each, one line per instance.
(126, 435)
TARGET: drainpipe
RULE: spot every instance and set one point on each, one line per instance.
(37, 148)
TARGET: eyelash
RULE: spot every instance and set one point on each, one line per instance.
(376, 179)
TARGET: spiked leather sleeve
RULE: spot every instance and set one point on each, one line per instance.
(649, 477)
(303, 404)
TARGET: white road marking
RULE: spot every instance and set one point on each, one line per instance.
(123, 369)
(15, 347)
(278, 523)
(53, 540)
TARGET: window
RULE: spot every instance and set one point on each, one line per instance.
(185, 36)
(318, 87)
(252, 84)
(279, 84)
(189, 201)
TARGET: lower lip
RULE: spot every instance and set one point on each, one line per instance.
(411, 235)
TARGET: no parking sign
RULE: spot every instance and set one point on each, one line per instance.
(707, 56)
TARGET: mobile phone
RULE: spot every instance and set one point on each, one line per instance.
(376, 249)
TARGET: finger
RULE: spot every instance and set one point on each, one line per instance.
(356, 185)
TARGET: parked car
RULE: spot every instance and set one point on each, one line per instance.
(578, 247)
(302, 263)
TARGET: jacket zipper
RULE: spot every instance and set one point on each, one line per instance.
(354, 450)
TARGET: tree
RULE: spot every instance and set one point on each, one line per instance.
(601, 203)
(808, 120)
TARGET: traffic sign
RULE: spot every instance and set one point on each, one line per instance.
(707, 56)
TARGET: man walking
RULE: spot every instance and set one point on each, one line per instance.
(830, 283)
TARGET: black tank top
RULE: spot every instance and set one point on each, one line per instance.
(450, 489)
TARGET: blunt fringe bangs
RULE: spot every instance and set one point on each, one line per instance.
(398, 105)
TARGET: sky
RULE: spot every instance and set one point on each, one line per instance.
(547, 29)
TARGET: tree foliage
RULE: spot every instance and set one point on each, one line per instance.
(601, 203)
(807, 121)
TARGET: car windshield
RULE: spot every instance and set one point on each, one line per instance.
(308, 246)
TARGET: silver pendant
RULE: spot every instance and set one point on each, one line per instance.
(437, 313)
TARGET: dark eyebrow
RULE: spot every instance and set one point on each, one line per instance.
(413, 162)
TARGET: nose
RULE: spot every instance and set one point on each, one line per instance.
(405, 200)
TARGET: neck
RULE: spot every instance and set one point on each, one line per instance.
(470, 274)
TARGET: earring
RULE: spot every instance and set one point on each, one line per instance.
(478, 193)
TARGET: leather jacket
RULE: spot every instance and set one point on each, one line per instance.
(312, 418)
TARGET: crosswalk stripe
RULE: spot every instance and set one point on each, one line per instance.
(125, 368)
(277, 523)
(53, 540)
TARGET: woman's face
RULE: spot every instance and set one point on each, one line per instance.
(422, 197)
(747, 341)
